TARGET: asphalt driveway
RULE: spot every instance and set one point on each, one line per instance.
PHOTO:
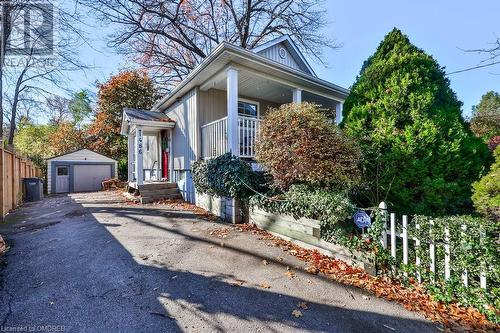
(91, 262)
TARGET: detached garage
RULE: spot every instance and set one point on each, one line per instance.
(79, 171)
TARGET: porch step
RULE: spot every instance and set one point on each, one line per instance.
(150, 199)
(158, 191)
(156, 186)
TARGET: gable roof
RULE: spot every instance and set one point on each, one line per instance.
(144, 117)
(226, 54)
(139, 114)
(291, 47)
(84, 150)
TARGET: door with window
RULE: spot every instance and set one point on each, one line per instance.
(62, 179)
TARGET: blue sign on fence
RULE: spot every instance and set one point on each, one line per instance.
(362, 220)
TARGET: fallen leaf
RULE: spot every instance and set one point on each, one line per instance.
(265, 285)
(296, 313)
(237, 282)
(265, 262)
(290, 274)
(303, 305)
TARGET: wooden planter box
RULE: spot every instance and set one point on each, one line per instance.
(307, 233)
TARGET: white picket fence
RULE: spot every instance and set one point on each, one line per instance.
(393, 234)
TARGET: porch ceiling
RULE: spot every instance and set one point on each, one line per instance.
(250, 85)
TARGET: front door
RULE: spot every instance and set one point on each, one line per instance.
(62, 179)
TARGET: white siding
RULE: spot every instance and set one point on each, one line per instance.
(185, 134)
(272, 53)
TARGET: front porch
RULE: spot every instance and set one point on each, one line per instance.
(234, 101)
(148, 143)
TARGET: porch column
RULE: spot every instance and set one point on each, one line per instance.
(139, 173)
(232, 111)
(338, 112)
(297, 95)
(130, 160)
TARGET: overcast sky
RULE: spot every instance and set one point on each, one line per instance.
(440, 27)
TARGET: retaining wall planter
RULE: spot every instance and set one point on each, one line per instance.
(227, 209)
(307, 233)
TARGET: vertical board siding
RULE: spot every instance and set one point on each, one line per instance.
(13, 169)
(185, 141)
(185, 133)
(273, 54)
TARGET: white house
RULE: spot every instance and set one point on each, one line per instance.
(218, 108)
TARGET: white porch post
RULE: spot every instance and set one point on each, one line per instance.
(232, 111)
(139, 173)
(130, 150)
(338, 112)
(297, 95)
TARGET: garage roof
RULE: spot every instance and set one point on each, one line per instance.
(82, 155)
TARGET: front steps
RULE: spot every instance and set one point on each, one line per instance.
(151, 192)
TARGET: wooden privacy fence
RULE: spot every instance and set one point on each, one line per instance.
(13, 168)
(433, 258)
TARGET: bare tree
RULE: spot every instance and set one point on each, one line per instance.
(57, 109)
(38, 50)
(170, 38)
(492, 57)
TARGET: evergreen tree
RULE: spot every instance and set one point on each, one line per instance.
(420, 154)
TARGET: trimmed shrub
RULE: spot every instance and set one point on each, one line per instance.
(298, 145)
(226, 176)
(486, 195)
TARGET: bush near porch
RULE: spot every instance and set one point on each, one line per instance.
(298, 145)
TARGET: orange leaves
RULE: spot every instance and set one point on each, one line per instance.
(298, 144)
(65, 138)
(414, 298)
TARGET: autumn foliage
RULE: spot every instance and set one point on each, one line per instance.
(297, 144)
(128, 89)
(66, 138)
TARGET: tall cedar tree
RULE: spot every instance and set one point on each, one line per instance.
(420, 154)
(128, 89)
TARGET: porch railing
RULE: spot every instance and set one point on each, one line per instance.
(215, 141)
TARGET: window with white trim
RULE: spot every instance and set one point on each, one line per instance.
(248, 109)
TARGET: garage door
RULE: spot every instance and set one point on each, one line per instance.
(89, 177)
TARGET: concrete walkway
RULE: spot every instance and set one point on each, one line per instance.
(90, 262)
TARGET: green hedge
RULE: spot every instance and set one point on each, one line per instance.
(226, 176)
(473, 249)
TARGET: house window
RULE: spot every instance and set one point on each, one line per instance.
(147, 143)
(248, 109)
